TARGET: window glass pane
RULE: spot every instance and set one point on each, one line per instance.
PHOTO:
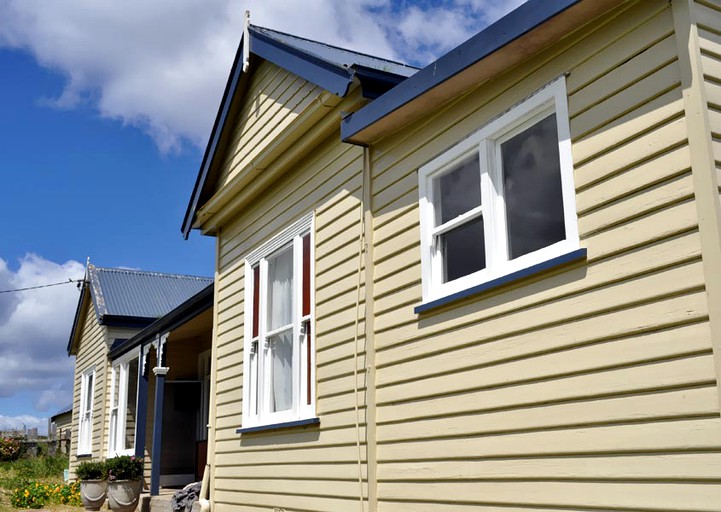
(458, 190)
(463, 250)
(253, 378)
(532, 188)
(280, 289)
(256, 299)
(115, 386)
(281, 371)
(113, 429)
(306, 275)
(132, 404)
(89, 393)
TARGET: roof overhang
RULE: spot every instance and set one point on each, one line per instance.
(517, 36)
(334, 78)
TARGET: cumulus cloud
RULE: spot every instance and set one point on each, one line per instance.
(161, 66)
(34, 330)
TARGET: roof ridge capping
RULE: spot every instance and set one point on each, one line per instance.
(335, 47)
(461, 65)
(121, 270)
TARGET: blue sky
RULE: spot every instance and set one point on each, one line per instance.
(105, 109)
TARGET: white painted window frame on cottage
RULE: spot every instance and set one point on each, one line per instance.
(85, 425)
(486, 144)
(256, 365)
(118, 411)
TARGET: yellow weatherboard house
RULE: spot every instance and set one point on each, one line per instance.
(489, 284)
(141, 342)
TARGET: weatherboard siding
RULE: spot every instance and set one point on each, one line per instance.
(275, 99)
(313, 468)
(91, 351)
(708, 16)
(590, 387)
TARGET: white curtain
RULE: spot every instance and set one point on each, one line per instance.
(280, 314)
(281, 349)
(280, 283)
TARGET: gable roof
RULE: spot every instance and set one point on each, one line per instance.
(133, 298)
(329, 67)
(529, 28)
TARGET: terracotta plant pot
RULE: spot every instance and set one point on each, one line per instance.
(123, 495)
(92, 493)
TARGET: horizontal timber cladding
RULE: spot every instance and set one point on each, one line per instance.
(275, 97)
(708, 16)
(588, 388)
(297, 469)
(91, 352)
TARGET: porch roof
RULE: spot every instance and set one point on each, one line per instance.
(191, 308)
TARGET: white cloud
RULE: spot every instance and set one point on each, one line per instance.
(161, 66)
(20, 423)
(34, 331)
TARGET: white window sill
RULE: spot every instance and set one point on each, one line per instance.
(558, 261)
(277, 426)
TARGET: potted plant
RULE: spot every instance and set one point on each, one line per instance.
(93, 484)
(125, 482)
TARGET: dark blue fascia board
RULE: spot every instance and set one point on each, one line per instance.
(333, 78)
(76, 320)
(235, 71)
(278, 426)
(504, 31)
(577, 255)
(126, 321)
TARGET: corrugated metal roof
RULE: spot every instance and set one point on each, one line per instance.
(336, 55)
(140, 294)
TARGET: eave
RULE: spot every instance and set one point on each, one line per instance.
(77, 320)
(335, 79)
(517, 36)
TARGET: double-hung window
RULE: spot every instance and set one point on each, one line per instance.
(500, 201)
(123, 406)
(85, 429)
(279, 370)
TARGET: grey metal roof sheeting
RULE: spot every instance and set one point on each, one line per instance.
(336, 55)
(140, 294)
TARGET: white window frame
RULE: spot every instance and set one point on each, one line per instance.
(85, 425)
(256, 366)
(485, 143)
(119, 411)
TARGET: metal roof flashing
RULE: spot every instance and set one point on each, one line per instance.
(482, 56)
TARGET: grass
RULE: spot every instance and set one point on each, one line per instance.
(43, 469)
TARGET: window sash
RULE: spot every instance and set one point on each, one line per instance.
(119, 408)
(257, 407)
(85, 429)
(486, 143)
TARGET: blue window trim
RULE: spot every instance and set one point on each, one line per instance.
(278, 426)
(579, 254)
